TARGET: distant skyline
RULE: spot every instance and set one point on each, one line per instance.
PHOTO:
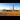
(9, 5)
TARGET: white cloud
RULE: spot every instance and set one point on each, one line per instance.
(16, 8)
(6, 7)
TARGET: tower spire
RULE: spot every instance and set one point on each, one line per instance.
(13, 7)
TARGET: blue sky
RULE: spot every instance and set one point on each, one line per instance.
(9, 5)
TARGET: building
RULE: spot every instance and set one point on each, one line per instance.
(4, 10)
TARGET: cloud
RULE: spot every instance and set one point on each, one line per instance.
(6, 7)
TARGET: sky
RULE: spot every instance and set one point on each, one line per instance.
(9, 6)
